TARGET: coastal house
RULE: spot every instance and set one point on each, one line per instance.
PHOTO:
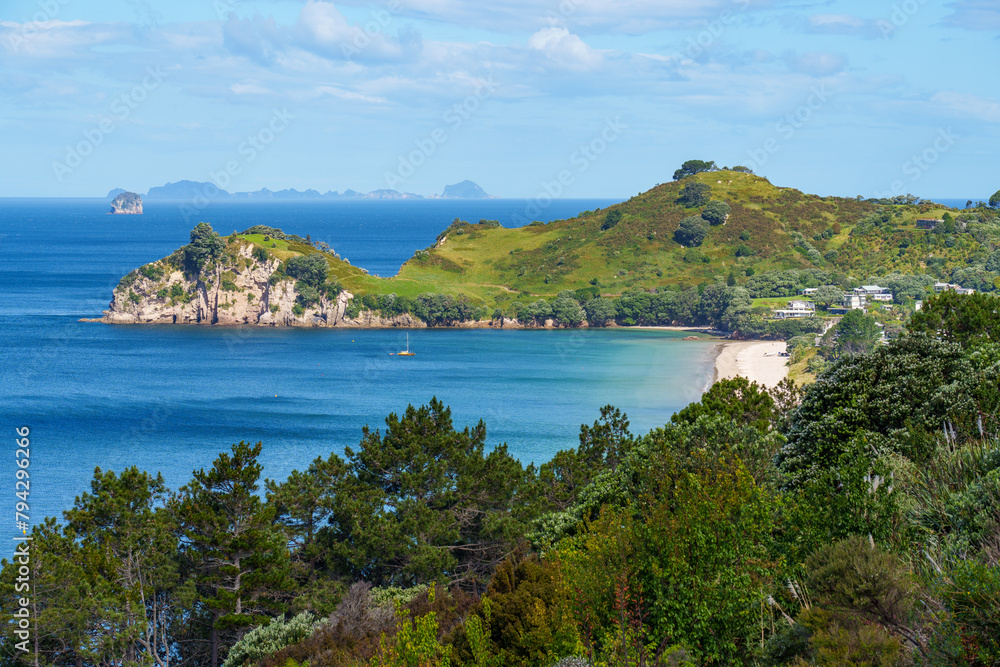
(952, 287)
(872, 293)
(808, 290)
(796, 308)
(928, 223)
(854, 301)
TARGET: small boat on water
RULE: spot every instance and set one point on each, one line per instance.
(406, 352)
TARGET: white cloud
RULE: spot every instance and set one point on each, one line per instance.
(584, 16)
(249, 89)
(815, 63)
(843, 24)
(564, 49)
(974, 15)
(965, 104)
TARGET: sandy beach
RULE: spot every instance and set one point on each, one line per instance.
(758, 361)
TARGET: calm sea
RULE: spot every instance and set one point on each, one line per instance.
(169, 399)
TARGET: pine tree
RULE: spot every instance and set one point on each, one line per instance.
(239, 558)
(423, 502)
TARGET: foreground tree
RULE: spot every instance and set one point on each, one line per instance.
(424, 502)
(123, 525)
(856, 333)
(239, 558)
(967, 319)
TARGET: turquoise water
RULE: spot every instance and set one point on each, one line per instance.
(170, 398)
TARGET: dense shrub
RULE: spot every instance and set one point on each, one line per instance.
(716, 212)
(691, 232)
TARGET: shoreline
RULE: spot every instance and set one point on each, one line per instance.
(757, 361)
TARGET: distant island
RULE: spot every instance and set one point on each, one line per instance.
(717, 248)
(464, 190)
(197, 191)
(126, 203)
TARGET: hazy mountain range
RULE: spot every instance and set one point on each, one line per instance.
(194, 190)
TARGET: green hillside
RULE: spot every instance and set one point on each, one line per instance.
(732, 230)
(768, 229)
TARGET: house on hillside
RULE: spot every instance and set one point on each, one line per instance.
(808, 290)
(873, 293)
(854, 301)
(952, 287)
(928, 223)
(796, 308)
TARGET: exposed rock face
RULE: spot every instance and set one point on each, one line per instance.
(240, 286)
(234, 290)
(127, 203)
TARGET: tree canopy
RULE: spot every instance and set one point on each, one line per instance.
(692, 167)
(716, 212)
(695, 194)
(206, 245)
(691, 232)
(966, 319)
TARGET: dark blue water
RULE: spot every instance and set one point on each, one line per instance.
(170, 398)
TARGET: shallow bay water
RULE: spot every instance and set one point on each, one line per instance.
(169, 398)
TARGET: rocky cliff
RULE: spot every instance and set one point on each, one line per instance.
(127, 203)
(261, 277)
(237, 288)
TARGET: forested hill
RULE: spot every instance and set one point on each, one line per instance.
(718, 227)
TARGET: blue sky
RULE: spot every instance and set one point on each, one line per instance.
(581, 98)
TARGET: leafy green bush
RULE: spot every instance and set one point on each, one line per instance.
(310, 269)
(152, 271)
(264, 640)
(611, 219)
(691, 232)
(716, 212)
(694, 194)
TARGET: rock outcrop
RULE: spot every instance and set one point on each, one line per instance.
(128, 203)
(236, 289)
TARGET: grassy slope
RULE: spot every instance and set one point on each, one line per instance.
(498, 265)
